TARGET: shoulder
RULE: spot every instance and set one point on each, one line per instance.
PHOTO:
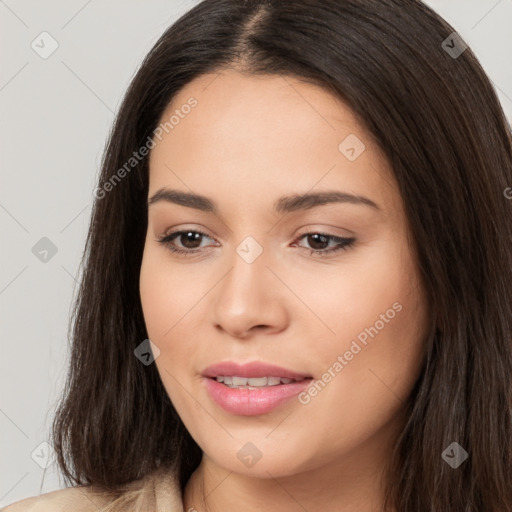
(158, 491)
(78, 499)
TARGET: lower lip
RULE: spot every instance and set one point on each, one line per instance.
(251, 402)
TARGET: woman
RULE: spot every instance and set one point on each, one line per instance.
(298, 278)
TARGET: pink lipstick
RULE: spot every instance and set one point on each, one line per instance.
(253, 388)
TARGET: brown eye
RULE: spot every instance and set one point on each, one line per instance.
(319, 243)
(189, 240)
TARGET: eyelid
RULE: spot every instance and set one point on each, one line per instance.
(327, 230)
(180, 229)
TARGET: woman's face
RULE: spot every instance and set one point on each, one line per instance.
(349, 318)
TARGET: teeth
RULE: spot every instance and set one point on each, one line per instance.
(253, 382)
(257, 381)
(239, 381)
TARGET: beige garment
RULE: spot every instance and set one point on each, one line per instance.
(157, 492)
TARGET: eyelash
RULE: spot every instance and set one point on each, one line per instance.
(343, 243)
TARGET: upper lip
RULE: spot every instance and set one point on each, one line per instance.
(252, 369)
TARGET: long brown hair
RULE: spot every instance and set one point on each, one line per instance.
(438, 120)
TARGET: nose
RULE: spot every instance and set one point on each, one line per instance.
(250, 299)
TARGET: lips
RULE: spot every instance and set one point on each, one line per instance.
(254, 388)
(253, 369)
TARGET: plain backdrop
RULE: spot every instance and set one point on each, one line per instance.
(56, 111)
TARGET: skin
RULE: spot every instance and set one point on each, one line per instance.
(249, 141)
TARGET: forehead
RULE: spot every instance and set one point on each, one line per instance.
(258, 134)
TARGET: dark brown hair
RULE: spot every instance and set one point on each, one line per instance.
(438, 120)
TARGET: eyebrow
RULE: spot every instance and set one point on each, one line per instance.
(284, 204)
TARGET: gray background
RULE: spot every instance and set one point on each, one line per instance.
(56, 114)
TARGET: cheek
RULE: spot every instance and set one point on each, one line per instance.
(378, 279)
(172, 297)
(168, 292)
(381, 342)
(156, 294)
(379, 317)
